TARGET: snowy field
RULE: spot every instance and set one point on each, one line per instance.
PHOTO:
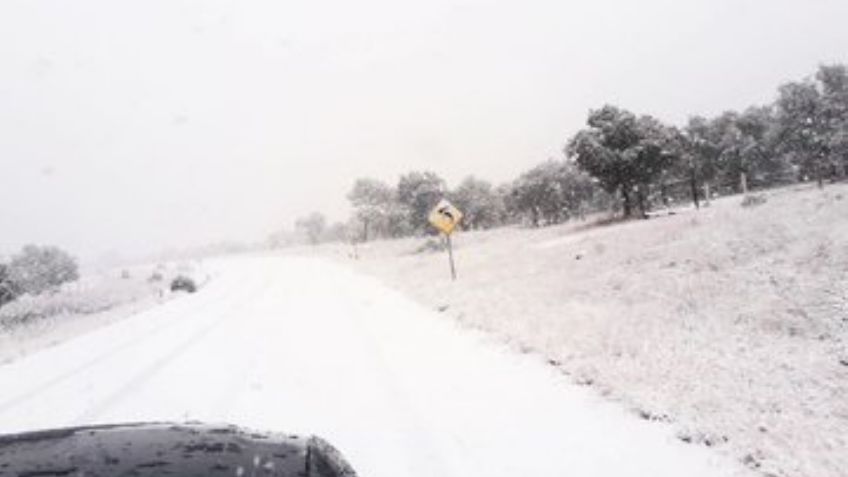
(100, 297)
(729, 323)
(302, 345)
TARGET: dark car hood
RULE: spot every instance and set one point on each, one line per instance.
(147, 449)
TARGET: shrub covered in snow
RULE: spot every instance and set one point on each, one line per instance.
(91, 294)
(183, 283)
(37, 269)
(7, 288)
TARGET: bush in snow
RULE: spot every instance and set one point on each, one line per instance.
(183, 283)
(37, 269)
(8, 290)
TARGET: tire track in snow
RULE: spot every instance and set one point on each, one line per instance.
(199, 305)
(181, 348)
(419, 438)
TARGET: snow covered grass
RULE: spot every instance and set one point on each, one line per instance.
(100, 297)
(730, 322)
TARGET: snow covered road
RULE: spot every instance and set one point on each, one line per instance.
(307, 346)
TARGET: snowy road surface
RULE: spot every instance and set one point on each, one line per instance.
(307, 346)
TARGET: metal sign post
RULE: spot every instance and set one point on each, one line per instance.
(450, 257)
(446, 217)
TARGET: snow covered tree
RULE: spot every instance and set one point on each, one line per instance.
(746, 152)
(624, 152)
(374, 203)
(482, 206)
(535, 194)
(833, 82)
(8, 290)
(312, 226)
(703, 143)
(418, 192)
(733, 148)
(804, 129)
(36, 269)
(551, 192)
(337, 232)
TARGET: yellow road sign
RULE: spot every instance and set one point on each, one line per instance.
(445, 217)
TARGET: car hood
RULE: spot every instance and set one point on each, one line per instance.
(146, 449)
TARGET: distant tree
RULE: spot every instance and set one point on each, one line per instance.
(374, 203)
(36, 269)
(312, 226)
(578, 192)
(759, 158)
(481, 205)
(734, 147)
(624, 152)
(744, 147)
(8, 290)
(804, 129)
(399, 221)
(535, 194)
(337, 232)
(680, 180)
(551, 192)
(730, 145)
(833, 83)
(509, 213)
(658, 155)
(702, 141)
(418, 193)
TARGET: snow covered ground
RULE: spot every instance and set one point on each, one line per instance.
(307, 346)
(730, 322)
(100, 297)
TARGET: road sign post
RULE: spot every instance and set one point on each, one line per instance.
(445, 217)
(450, 257)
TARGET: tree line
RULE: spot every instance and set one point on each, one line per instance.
(802, 135)
(624, 162)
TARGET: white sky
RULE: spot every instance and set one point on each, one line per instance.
(129, 126)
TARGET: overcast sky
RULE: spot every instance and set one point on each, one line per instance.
(129, 126)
